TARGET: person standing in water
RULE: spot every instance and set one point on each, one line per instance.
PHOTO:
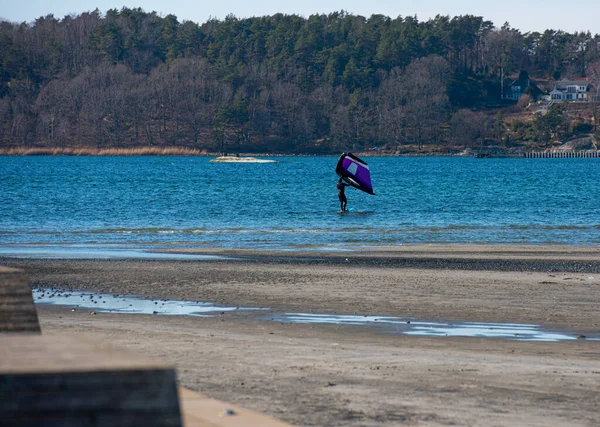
(341, 187)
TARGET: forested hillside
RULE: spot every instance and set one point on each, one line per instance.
(280, 83)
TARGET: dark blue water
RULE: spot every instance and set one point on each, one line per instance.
(155, 202)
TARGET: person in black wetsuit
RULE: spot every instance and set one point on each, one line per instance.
(341, 187)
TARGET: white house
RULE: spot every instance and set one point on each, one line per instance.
(570, 90)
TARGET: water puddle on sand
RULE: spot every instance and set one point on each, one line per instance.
(127, 304)
(409, 326)
(400, 325)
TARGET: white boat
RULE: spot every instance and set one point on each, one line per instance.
(239, 159)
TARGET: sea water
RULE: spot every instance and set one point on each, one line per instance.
(157, 202)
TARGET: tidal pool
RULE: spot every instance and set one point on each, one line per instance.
(400, 325)
(410, 326)
(127, 304)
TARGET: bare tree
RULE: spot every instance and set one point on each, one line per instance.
(287, 101)
(593, 74)
(466, 127)
(426, 101)
(524, 102)
(392, 98)
(195, 100)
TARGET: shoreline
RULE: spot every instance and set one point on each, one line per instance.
(427, 250)
(548, 286)
(167, 152)
(194, 152)
(459, 257)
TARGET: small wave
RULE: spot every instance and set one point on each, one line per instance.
(148, 230)
(552, 227)
(265, 231)
(357, 213)
(462, 227)
(361, 230)
(42, 232)
(410, 229)
(194, 231)
(512, 227)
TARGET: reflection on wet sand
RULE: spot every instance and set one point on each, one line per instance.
(410, 326)
(402, 325)
(128, 304)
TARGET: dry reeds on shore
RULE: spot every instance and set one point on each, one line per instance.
(138, 151)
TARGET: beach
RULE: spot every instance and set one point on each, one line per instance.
(356, 375)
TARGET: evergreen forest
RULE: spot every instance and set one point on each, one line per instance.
(277, 84)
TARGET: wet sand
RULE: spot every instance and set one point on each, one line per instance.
(355, 375)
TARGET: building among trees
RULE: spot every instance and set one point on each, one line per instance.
(571, 90)
(521, 86)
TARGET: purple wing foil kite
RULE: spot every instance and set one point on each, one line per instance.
(355, 172)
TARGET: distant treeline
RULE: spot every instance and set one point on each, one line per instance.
(280, 83)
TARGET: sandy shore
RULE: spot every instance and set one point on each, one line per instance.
(359, 376)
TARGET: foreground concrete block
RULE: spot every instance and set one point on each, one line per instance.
(55, 380)
(17, 311)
